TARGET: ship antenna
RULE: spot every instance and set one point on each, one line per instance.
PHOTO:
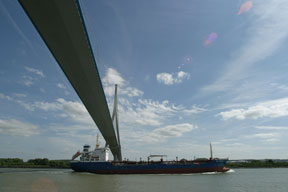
(97, 141)
(211, 153)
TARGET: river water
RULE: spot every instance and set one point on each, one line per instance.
(237, 180)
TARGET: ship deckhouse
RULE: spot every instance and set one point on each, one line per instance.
(99, 154)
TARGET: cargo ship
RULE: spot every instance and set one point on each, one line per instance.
(97, 160)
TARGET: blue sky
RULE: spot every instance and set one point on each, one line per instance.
(189, 73)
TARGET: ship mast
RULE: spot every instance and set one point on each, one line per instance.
(211, 153)
(97, 141)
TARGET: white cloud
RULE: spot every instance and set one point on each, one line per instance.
(76, 111)
(176, 130)
(193, 110)
(61, 86)
(140, 119)
(271, 127)
(170, 79)
(165, 78)
(160, 134)
(20, 102)
(271, 109)
(67, 128)
(20, 95)
(131, 92)
(14, 127)
(35, 71)
(267, 32)
(46, 106)
(67, 145)
(142, 112)
(27, 80)
(27, 106)
(72, 110)
(27, 83)
(146, 112)
(265, 137)
(3, 96)
(222, 141)
(113, 77)
(84, 132)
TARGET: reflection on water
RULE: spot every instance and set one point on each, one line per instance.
(43, 184)
(264, 180)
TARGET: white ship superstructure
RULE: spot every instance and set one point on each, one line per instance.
(98, 154)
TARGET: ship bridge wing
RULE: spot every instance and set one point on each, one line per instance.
(61, 26)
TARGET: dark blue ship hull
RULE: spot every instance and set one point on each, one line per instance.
(168, 167)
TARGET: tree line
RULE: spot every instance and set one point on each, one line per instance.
(33, 163)
(257, 164)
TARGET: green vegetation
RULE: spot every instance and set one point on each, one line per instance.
(33, 163)
(257, 164)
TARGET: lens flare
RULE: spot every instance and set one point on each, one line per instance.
(245, 7)
(181, 66)
(186, 60)
(211, 38)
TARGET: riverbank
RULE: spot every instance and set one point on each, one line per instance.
(258, 164)
(34, 163)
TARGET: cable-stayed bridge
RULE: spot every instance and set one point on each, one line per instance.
(61, 25)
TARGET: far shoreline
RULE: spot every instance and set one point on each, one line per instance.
(31, 167)
(41, 163)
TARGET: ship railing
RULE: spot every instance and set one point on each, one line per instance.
(122, 163)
